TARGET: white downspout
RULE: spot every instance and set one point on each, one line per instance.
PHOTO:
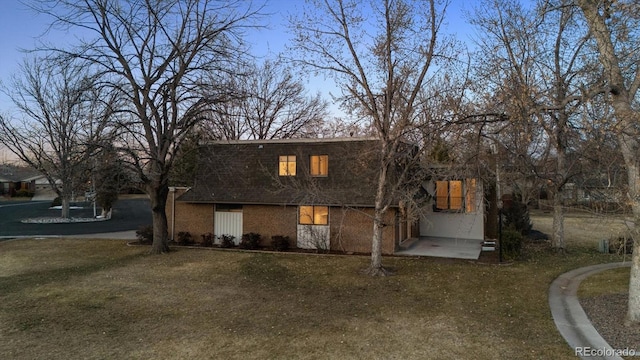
(173, 213)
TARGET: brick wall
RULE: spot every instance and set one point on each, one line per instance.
(351, 229)
(194, 218)
(269, 220)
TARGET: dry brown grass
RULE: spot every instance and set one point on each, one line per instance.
(100, 299)
(582, 228)
(615, 281)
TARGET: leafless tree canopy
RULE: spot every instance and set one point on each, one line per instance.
(381, 54)
(269, 103)
(535, 69)
(168, 60)
(64, 115)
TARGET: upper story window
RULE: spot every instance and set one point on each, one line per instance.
(456, 195)
(287, 165)
(319, 165)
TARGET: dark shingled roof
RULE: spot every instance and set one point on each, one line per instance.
(12, 173)
(246, 172)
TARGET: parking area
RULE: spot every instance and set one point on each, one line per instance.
(128, 214)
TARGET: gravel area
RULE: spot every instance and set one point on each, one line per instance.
(607, 314)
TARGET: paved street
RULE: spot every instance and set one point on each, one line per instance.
(128, 214)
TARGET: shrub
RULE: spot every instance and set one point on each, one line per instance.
(185, 238)
(280, 243)
(250, 241)
(56, 202)
(207, 239)
(226, 241)
(621, 245)
(516, 217)
(511, 243)
(23, 193)
(145, 234)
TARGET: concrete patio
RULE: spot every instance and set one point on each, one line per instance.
(441, 247)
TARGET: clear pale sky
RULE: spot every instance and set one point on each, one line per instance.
(20, 27)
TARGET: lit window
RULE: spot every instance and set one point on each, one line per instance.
(319, 165)
(452, 194)
(314, 215)
(287, 165)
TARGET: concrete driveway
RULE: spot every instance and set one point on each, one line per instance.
(128, 214)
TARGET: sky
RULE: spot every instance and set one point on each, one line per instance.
(20, 28)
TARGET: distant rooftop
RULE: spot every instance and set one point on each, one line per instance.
(14, 173)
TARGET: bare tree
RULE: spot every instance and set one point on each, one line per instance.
(64, 115)
(615, 26)
(270, 104)
(168, 59)
(537, 61)
(381, 53)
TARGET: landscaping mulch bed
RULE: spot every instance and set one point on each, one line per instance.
(607, 314)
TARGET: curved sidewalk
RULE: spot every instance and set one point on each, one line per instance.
(570, 318)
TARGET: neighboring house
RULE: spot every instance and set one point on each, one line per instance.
(318, 192)
(17, 178)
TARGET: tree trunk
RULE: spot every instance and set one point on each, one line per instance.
(158, 196)
(557, 238)
(65, 207)
(633, 175)
(629, 147)
(376, 268)
(627, 136)
(633, 310)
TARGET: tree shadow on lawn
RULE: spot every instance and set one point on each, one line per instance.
(22, 282)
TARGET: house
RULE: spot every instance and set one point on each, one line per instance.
(15, 179)
(318, 192)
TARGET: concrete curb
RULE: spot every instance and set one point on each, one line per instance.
(568, 315)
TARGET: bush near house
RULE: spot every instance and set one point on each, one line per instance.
(144, 234)
(185, 238)
(516, 216)
(511, 243)
(280, 243)
(23, 193)
(207, 240)
(226, 241)
(250, 241)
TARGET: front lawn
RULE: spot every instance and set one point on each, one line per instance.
(81, 299)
